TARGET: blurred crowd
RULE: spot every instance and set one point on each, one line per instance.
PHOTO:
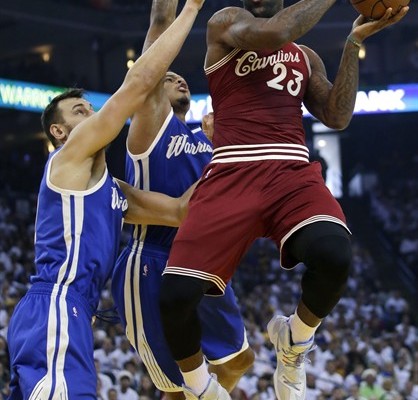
(366, 349)
(394, 202)
(400, 224)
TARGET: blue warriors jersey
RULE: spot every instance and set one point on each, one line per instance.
(76, 246)
(77, 235)
(173, 162)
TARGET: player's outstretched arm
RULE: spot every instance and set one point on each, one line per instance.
(163, 13)
(236, 27)
(97, 131)
(149, 118)
(152, 208)
(333, 104)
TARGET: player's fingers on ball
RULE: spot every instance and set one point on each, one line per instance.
(360, 20)
(398, 16)
(403, 11)
(388, 14)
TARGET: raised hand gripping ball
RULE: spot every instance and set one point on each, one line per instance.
(374, 9)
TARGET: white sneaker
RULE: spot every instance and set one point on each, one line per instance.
(213, 391)
(290, 376)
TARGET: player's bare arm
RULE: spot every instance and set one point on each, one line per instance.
(163, 13)
(97, 131)
(333, 104)
(100, 129)
(234, 27)
(148, 120)
(152, 208)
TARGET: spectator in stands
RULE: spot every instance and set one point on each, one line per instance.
(312, 391)
(402, 369)
(354, 392)
(389, 392)
(147, 390)
(112, 394)
(338, 393)
(354, 378)
(368, 386)
(354, 356)
(124, 390)
(122, 354)
(265, 389)
(134, 366)
(104, 382)
(406, 330)
(328, 379)
(104, 355)
(410, 391)
(4, 379)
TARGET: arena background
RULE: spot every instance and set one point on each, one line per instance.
(372, 165)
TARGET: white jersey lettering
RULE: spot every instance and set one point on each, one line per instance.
(249, 62)
(179, 144)
(118, 201)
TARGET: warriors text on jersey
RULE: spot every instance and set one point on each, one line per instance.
(76, 244)
(173, 162)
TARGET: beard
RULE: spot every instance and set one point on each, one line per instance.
(182, 105)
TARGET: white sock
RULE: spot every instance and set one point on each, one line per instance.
(299, 330)
(198, 379)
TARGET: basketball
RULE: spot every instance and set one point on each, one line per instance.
(374, 9)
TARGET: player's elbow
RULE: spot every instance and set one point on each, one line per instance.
(339, 124)
(336, 122)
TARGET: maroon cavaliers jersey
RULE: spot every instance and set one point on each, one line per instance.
(257, 96)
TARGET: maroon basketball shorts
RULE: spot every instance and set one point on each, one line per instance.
(238, 202)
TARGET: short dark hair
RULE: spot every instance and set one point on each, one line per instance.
(52, 115)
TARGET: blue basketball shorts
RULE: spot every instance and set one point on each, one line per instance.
(136, 287)
(51, 346)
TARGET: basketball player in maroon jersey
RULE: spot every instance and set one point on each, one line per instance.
(260, 183)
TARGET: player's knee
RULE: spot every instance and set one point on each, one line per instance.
(330, 258)
(179, 295)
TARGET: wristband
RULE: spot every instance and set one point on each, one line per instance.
(353, 41)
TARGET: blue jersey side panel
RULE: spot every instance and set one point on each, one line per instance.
(174, 161)
(77, 235)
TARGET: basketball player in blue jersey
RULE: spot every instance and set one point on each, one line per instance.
(164, 155)
(81, 209)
